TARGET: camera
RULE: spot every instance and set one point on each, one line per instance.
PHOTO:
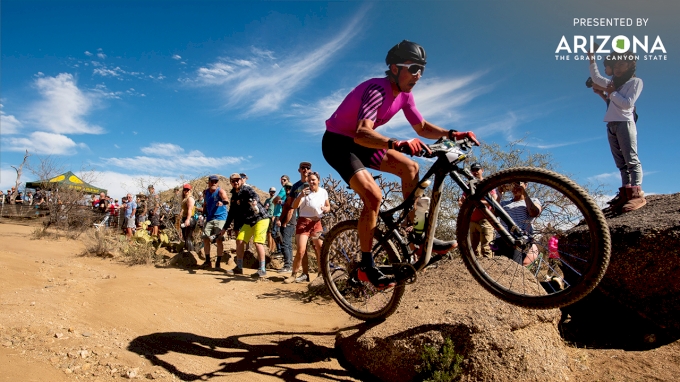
(305, 185)
(589, 82)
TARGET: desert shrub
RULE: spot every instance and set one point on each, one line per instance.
(440, 364)
(41, 232)
(138, 252)
(101, 242)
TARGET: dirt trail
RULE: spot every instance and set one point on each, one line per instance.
(65, 316)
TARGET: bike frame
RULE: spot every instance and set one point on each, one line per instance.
(447, 163)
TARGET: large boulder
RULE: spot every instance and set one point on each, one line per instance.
(498, 341)
(644, 270)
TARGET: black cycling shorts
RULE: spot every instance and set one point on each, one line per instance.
(347, 157)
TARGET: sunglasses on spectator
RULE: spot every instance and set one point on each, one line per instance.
(305, 168)
(234, 180)
(186, 189)
(414, 69)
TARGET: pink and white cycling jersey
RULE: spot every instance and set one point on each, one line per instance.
(373, 100)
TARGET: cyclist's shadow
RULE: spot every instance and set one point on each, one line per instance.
(278, 355)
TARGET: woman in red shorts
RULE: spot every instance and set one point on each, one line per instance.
(312, 203)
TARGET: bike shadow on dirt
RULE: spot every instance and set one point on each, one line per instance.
(279, 354)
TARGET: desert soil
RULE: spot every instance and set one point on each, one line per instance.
(66, 317)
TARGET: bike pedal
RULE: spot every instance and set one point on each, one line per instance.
(405, 273)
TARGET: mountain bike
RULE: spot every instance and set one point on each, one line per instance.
(555, 277)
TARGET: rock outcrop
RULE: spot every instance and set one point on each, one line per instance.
(644, 271)
(499, 341)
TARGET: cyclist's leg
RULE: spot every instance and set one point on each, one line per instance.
(400, 165)
(364, 185)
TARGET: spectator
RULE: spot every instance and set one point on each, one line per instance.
(523, 210)
(2, 197)
(269, 206)
(250, 220)
(142, 212)
(20, 198)
(187, 218)
(215, 212)
(244, 177)
(311, 203)
(113, 213)
(153, 206)
(276, 229)
(288, 218)
(130, 213)
(623, 91)
(38, 197)
(29, 198)
(481, 231)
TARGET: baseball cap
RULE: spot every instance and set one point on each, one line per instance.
(288, 185)
(305, 164)
(213, 177)
(186, 186)
(243, 175)
(150, 186)
(235, 175)
(475, 166)
(272, 189)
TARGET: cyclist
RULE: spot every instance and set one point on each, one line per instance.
(351, 144)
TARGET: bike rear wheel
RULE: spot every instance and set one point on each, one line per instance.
(540, 274)
(340, 258)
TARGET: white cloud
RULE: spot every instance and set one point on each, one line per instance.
(607, 177)
(105, 72)
(9, 124)
(261, 83)
(63, 107)
(176, 57)
(87, 53)
(40, 142)
(168, 158)
(118, 184)
(163, 149)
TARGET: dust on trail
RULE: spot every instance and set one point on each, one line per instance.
(64, 316)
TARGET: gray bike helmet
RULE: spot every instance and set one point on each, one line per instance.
(406, 51)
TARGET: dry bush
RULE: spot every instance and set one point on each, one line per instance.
(135, 252)
(102, 242)
(42, 233)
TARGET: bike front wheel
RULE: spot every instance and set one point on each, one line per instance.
(340, 258)
(565, 251)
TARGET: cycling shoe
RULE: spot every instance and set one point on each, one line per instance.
(375, 277)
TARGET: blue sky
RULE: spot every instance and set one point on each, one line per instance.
(164, 90)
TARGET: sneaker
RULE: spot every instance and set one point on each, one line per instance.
(375, 277)
(206, 265)
(291, 279)
(284, 270)
(304, 278)
(219, 268)
(235, 271)
(260, 274)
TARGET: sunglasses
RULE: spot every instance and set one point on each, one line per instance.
(234, 180)
(305, 168)
(186, 189)
(414, 69)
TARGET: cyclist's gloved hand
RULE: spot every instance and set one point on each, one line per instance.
(458, 135)
(412, 147)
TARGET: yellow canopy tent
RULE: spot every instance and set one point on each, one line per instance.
(67, 179)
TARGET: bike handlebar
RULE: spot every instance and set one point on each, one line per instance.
(464, 144)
